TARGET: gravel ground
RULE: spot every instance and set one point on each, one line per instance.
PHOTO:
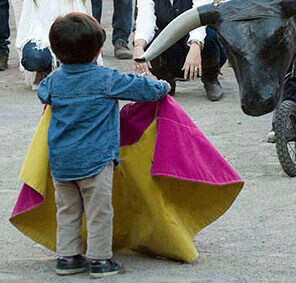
(253, 242)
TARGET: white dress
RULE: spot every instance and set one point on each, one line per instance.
(35, 22)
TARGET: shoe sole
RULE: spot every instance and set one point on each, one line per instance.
(106, 274)
(124, 57)
(64, 272)
(215, 98)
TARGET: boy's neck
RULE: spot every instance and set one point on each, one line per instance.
(80, 64)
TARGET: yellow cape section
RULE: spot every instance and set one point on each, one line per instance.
(159, 216)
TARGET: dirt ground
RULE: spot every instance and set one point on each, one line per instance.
(253, 242)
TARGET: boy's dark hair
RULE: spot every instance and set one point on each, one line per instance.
(76, 38)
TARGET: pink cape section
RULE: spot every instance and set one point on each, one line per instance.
(181, 150)
(27, 200)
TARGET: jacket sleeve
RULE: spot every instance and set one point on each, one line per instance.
(146, 20)
(199, 33)
(136, 87)
(43, 91)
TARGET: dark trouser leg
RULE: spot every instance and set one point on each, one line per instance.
(122, 26)
(289, 89)
(213, 58)
(96, 6)
(4, 26)
(168, 65)
(161, 70)
(4, 34)
(122, 20)
(97, 12)
(288, 93)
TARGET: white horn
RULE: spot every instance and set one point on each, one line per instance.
(179, 27)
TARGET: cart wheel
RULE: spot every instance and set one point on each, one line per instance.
(285, 136)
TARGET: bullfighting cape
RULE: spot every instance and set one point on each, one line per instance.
(171, 183)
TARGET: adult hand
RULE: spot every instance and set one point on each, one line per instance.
(192, 65)
(142, 68)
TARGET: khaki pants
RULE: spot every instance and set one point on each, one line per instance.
(94, 196)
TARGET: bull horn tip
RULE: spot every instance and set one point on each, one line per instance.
(140, 60)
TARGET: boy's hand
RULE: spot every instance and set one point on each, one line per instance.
(169, 89)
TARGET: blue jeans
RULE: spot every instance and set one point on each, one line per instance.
(35, 60)
(4, 26)
(122, 18)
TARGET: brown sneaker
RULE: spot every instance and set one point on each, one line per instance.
(3, 61)
(122, 51)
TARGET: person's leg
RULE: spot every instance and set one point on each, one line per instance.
(97, 198)
(4, 34)
(122, 25)
(97, 12)
(69, 219)
(213, 58)
(288, 93)
(97, 9)
(34, 60)
(96, 193)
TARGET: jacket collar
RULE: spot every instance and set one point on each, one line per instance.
(79, 67)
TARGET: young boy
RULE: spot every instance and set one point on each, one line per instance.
(83, 140)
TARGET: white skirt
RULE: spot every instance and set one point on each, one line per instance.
(33, 21)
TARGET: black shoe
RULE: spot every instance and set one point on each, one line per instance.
(68, 265)
(213, 89)
(121, 50)
(3, 61)
(105, 268)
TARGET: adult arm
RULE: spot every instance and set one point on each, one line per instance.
(199, 34)
(145, 30)
(193, 64)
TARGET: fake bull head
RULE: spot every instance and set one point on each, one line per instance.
(259, 38)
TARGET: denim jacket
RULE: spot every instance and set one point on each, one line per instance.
(83, 136)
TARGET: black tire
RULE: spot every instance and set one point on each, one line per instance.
(285, 136)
